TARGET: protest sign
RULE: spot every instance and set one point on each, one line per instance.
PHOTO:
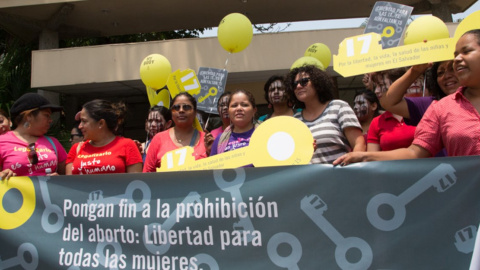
(213, 83)
(364, 54)
(389, 20)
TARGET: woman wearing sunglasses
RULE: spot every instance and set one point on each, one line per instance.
(184, 111)
(26, 151)
(76, 135)
(103, 151)
(333, 123)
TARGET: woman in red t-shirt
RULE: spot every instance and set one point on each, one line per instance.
(103, 151)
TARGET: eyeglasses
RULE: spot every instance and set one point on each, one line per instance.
(73, 135)
(185, 107)
(32, 154)
(303, 82)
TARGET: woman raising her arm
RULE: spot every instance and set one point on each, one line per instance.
(452, 122)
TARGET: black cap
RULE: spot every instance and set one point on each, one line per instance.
(30, 101)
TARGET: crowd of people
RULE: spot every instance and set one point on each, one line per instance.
(423, 111)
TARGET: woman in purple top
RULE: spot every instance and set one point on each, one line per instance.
(441, 82)
(241, 111)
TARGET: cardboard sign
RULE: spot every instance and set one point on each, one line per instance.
(389, 20)
(213, 83)
(185, 81)
(280, 141)
(363, 53)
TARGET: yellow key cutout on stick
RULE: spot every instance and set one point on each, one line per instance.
(280, 141)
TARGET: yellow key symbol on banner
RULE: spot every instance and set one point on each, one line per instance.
(280, 141)
(16, 219)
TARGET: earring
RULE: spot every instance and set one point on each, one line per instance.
(269, 105)
(26, 125)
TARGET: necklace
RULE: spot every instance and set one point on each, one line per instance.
(176, 137)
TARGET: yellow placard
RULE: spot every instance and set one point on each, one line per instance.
(280, 141)
(185, 81)
(158, 97)
(363, 53)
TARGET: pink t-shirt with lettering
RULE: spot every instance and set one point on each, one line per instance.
(111, 158)
(14, 155)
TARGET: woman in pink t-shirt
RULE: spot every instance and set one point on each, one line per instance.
(26, 151)
(222, 108)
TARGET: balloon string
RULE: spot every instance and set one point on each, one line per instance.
(424, 83)
(226, 62)
(206, 123)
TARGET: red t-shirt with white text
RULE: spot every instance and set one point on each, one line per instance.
(111, 158)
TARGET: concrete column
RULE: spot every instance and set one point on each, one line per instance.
(48, 39)
(441, 10)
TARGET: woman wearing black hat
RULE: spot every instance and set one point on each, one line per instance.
(26, 151)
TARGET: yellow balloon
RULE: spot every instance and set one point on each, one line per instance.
(154, 71)
(467, 24)
(307, 61)
(235, 32)
(321, 52)
(424, 29)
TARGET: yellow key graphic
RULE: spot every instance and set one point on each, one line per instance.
(211, 92)
(280, 141)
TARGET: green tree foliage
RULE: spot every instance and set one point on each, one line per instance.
(15, 68)
(142, 37)
(16, 61)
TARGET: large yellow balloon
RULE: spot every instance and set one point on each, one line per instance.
(321, 52)
(307, 61)
(467, 24)
(235, 32)
(424, 29)
(154, 71)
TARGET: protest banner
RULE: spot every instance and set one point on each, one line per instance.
(410, 214)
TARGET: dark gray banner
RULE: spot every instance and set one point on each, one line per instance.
(419, 214)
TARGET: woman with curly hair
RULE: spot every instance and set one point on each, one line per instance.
(333, 123)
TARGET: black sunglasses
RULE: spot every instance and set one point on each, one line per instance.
(73, 135)
(185, 107)
(32, 154)
(302, 82)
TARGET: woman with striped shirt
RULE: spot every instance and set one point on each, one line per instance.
(333, 123)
